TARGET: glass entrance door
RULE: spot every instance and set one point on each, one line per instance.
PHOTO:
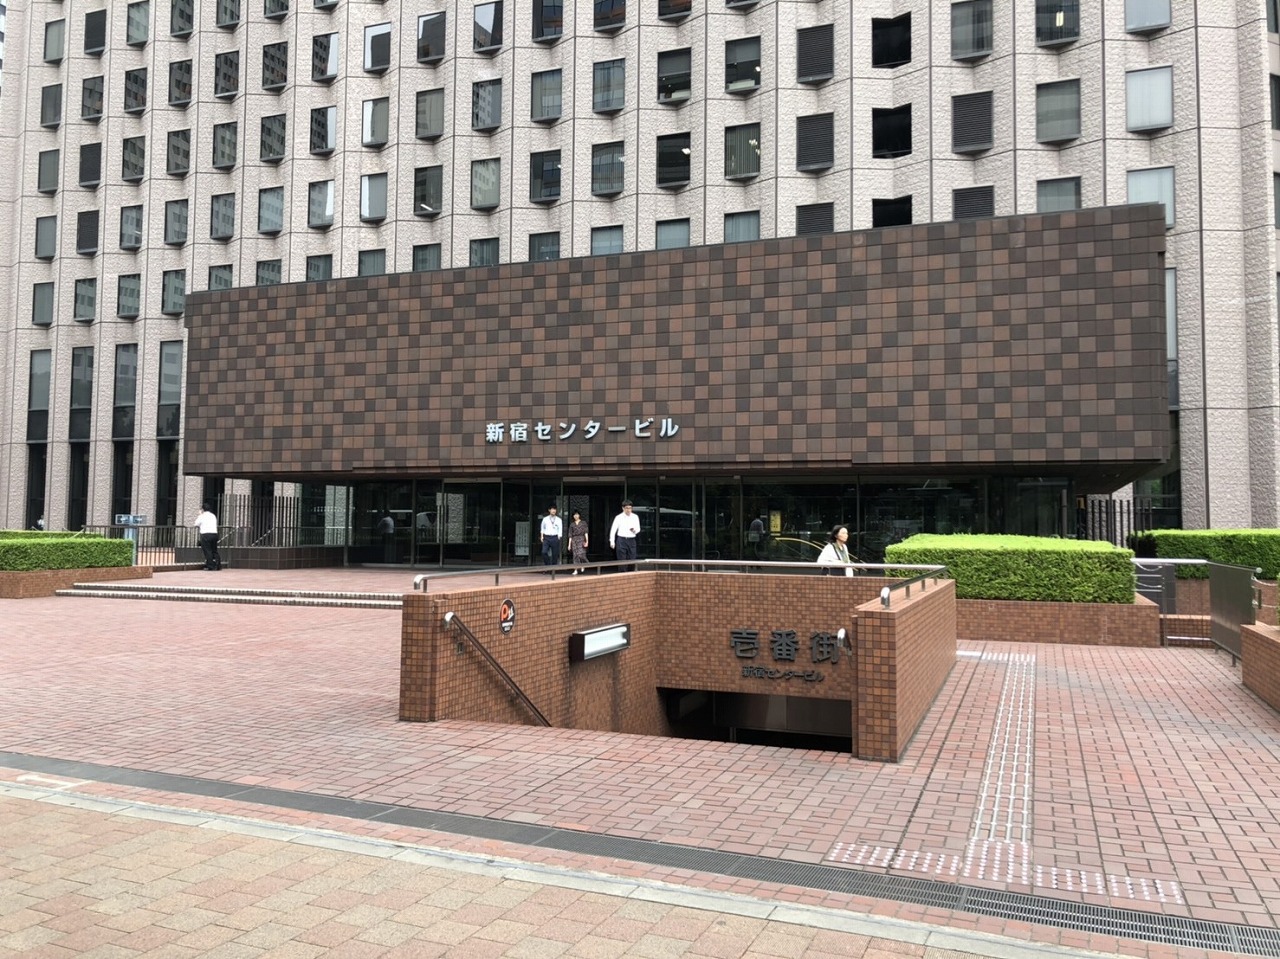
(470, 523)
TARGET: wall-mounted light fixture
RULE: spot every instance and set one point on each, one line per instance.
(590, 643)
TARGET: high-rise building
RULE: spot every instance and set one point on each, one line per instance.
(160, 147)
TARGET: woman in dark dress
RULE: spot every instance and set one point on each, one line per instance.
(578, 541)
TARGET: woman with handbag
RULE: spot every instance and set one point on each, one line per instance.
(836, 552)
(578, 541)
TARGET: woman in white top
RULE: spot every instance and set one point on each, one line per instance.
(836, 552)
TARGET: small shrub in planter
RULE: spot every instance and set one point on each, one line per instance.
(1258, 548)
(62, 551)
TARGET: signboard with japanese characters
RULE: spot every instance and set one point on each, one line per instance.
(570, 431)
(782, 654)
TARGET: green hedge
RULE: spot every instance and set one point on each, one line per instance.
(1258, 548)
(62, 551)
(1025, 567)
(41, 534)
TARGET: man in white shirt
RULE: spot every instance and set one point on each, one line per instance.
(550, 533)
(207, 525)
(623, 533)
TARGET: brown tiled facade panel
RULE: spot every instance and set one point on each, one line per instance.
(46, 582)
(1260, 662)
(1090, 624)
(1031, 342)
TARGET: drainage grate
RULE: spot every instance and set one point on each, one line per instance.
(1061, 913)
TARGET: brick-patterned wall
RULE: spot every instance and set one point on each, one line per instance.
(46, 582)
(904, 655)
(1260, 662)
(1092, 624)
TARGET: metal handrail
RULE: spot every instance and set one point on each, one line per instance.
(931, 572)
(451, 620)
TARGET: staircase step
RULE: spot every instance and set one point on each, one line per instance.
(213, 594)
(148, 586)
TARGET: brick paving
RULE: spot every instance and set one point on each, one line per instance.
(1137, 779)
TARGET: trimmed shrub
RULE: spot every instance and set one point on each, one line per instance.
(1256, 548)
(1025, 567)
(42, 534)
(63, 551)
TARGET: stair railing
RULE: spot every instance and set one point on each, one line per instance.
(451, 620)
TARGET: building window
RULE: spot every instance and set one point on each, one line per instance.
(973, 202)
(324, 57)
(971, 30)
(1149, 99)
(221, 277)
(675, 76)
(608, 86)
(178, 153)
(487, 36)
(742, 65)
(1154, 186)
(743, 226)
(1058, 111)
(814, 218)
(374, 128)
(377, 48)
(545, 96)
(485, 252)
(182, 17)
(129, 295)
(271, 210)
(320, 205)
(610, 15)
(173, 292)
(544, 176)
(95, 33)
(135, 90)
(486, 185)
(891, 42)
(1275, 102)
(1057, 22)
(55, 41)
(179, 83)
(674, 155)
(320, 267)
(226, 74)
(133, 159)
(606, 240)
(544, 246)
(169, 401)
(225, 145)
(971, 123)
(324, 130)
(548, 20)
(137, 24)
(175, 222)
(1147, 16)
(275, 65)
(90, 164)
(1054, 196)
(891, 132)
(87, 232)
(91, 99)
(273, 141)
(742, 151)
(51, 105)
(131, 228)
(227, 13)
(674, 9)
(815, 54)
(86, 305)
(373, 197)
(371, 262)
(607, 169)
(47, 171)
(428, 191)
(268, 272)
(815, 142)
(891, 212)
(46, 237)
(42, 304)
(222, 217)
(426, 256)
(671, 234)
(429, 114)
(275, 9)
(431, 33)
(486, 105)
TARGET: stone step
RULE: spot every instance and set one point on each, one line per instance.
(244, 595)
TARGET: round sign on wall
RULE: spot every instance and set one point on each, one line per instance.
(507, 615)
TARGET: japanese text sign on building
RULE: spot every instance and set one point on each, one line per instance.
(785, 646)
(524, 432)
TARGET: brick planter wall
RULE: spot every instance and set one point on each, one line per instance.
(1260, 662)
(46, 582)
(1092, 624)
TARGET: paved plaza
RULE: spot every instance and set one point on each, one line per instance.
(213, 779)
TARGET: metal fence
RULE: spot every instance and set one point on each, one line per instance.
(281, 521)
(1112, 520)
(168, 545)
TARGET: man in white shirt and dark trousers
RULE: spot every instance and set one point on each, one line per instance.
(623, 533)
(550, 533)
(207, 525)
